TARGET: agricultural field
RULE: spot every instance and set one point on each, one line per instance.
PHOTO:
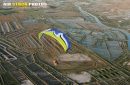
(5, 18)
(100, 42)
(111, 13)
(8, 79)
(65, 14)
(34, 13)
(41, 26)
(7, 11)
(2, 70)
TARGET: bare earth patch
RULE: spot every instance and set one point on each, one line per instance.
(128, 63)
(65, 14)
(83, 77)
(73, 57)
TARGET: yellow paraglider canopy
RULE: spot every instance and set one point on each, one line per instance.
(58, 35)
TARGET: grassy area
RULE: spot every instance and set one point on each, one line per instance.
(34, 12)
(8, 79)
(108, 22)
(68, 7)
(8, 66)
(29, 58)
(70, 67)
(1, 81)
(1, 69)
(7, 11)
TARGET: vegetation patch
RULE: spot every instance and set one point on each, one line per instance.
(7, 11)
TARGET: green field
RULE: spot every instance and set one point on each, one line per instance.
(34, 12)
(8, 79)
(7, 11)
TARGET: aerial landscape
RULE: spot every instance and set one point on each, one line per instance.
(65, 42)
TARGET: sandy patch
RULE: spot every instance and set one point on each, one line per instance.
(74, 57)
(127, 62)
(83, 77)
(27, 82)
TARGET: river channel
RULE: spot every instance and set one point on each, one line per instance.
(101, 24)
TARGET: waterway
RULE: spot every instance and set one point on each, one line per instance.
(105, 27)
(96, 19)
